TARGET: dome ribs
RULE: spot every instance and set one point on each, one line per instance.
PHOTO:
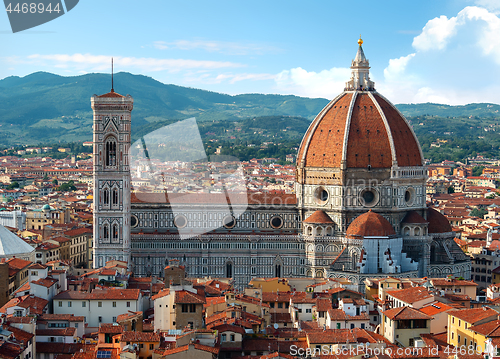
(405, 143)
(368, 143)
(324, 148)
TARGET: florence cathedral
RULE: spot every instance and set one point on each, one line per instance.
(358, 211)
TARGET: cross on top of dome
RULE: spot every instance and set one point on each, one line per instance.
(360, 74)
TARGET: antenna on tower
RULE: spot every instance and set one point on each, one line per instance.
(112, 86)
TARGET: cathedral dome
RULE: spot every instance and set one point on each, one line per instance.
(359, 129)
(438, 223)
(319, 217)
(370, 224)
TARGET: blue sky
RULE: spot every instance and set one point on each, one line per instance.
(420, 51)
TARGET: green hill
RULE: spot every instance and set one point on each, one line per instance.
(47, 108)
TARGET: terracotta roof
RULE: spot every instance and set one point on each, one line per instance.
(78, 232)
(414, 217)
(323, 304)
(231, 328)
(410, 295)
(318, 217)
(443, 282)
(45, 282)
(438, 223)
(66, 332)
(60, 317)
(435, 308)
(139, 337)
(110, 94)
(185, 297)
(18, 263)
(474, 315)
(489, 329)
(367, 140)
(102, 294)
(403, 313)
(370, 224)
(110, 328)
(276, 296)
(331, 336)
(37, 266)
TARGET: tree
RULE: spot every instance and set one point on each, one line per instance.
(13, 185)
(477, 171)
(476, 212)
(46, 177)
(54, 181)
(68, 186)
(451, 190)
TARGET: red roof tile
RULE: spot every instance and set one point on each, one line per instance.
(370, 224)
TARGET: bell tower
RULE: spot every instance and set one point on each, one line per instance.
(111, 137)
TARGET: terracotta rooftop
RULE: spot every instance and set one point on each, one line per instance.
(370, 224)
(367, 139)
(438, 223)
(404, 313)
(139, 337)
(318, 217)
(185, 297)
(410, 295)
(414, 217)
(474, 315)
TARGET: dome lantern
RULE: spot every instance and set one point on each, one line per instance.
(360, 75)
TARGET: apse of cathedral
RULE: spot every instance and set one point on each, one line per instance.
(358, 211)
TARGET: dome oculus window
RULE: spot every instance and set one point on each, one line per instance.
(369, 197)
(133, 221)
(321, 195)
(229, 222)
(409, 196)
(180, 221)
(276, 222)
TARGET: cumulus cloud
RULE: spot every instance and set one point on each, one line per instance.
(455, 61)
(326, 83)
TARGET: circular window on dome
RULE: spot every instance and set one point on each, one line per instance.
(229, 222)
(369, 197)
(180, 221)
(409, 196)
(276, 222)
(133, 221)
(321, 195)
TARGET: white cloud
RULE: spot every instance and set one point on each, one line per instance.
(326, 83)
(91, 62)
(435, 34)
(231, 78)
(229, 48)
(491, 5)
(457, 61)
(397, 67)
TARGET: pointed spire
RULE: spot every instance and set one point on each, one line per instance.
(112, 85)
(360, 75)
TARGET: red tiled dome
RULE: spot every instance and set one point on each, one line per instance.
(370, 224)
(318, 217)
(359, 128)
(438, 223)
(373, 134)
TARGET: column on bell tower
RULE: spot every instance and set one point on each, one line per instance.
(111, 180)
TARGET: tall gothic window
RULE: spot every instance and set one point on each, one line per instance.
(111, 152)
(105, 232)
(106, 196)
(115, 196)
(229, 270)
(115, 232)
(277, 270)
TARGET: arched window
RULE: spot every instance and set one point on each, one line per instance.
(277, 270)
(229, 270)
(111, 152)
(417, 231)
(106, 197)
(115, 196)
(115, 232)
(105, 232)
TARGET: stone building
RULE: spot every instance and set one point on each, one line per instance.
(358, 211)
